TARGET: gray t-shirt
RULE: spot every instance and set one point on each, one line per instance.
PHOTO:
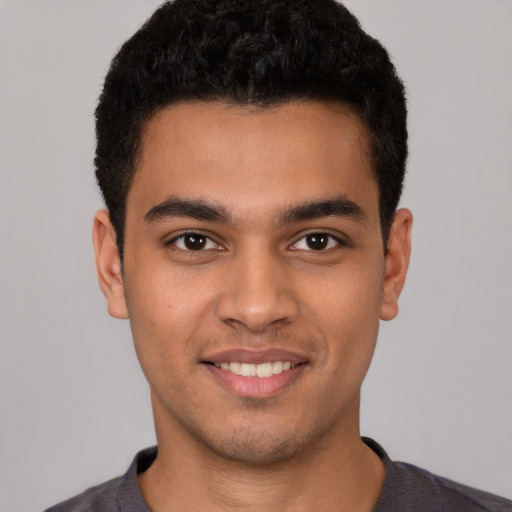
(407, 488)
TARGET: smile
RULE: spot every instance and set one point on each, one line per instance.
(261, 370)
(255, 373)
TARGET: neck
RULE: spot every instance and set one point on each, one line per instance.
(338, 472)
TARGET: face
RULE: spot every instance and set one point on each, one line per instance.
(254, 274)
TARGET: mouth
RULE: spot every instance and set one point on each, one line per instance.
(255, 374)
(261, 370)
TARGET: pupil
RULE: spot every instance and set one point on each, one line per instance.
(195, 242)
(317, 241)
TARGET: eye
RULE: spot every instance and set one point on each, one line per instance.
(317, 242)
(193, 242)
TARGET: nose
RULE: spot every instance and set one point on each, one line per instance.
(258, 293)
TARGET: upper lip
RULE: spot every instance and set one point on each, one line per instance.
(255, 356)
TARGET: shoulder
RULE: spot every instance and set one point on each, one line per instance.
(414, 488)
(408, 487)
(119, 494)
(102, 498)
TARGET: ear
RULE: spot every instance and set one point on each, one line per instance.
(108, 264)
(397, 262)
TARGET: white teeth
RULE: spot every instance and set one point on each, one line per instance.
(260, 370)
(248, 370)
(235, 368)
(277, 367)
(264, 370)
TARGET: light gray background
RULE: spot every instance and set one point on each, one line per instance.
(74, 405)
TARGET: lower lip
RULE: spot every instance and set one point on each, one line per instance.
(256, 387)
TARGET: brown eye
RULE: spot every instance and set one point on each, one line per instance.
(317, 241)
(194, 242)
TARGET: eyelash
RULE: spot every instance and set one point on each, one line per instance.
(331, 242)
(207, 240)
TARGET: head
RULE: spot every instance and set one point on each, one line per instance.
(253, 54)
(251, 155)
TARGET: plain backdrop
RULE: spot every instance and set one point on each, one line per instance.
(74, 406)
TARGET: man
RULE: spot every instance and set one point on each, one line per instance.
(251, 156)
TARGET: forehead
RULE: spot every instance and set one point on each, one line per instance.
(254, 158)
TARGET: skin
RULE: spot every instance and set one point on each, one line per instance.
(256, 284)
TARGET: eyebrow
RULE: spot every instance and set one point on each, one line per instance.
(200, 209)
(195, 209)
(339, 206)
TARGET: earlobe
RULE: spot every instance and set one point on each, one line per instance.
(397, 263)
(108, 264)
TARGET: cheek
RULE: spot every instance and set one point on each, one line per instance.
(165, 310)
(163, 293)
(346, 308)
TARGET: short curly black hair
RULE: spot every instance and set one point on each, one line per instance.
(258, 53)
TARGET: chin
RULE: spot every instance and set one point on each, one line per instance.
(255, 448)
(259, 443)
